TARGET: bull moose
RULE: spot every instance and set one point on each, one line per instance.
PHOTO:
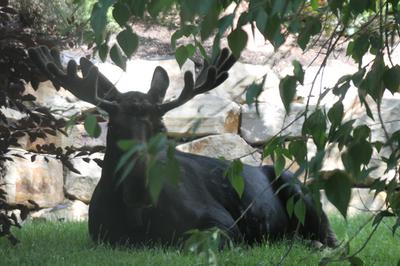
(204, 197)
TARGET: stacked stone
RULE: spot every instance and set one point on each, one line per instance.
(220, 122)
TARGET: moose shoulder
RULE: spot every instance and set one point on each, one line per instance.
(204, 197)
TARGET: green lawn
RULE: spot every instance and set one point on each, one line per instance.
(45, 243)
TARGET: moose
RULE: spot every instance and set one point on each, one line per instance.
(204, 198)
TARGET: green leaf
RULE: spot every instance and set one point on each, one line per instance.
(202, 51)
(98, 22)
(314, 4)
(394, 200)
(372, 84)
(298, 71)
(358, 47)
(338, 190)
(342, 134)
(128, 41)
(157, 143)
(335, 114)
(395, 227)
(382, 214)
(357, 6)
(121, 13)
(135, 148)
(336, 4)
(117, 57)
(290, 206)
(300, 210)
(272, 145)
(356, 261)
(103, 51)
(312, 26)
(298, 148)
(155, 180)
(315, 125)
(287, 91)
(92, 127)
(157, 6)
(172, 169)
(209, 23)
(357, 154)
(391, 79)
(358, 76)
(190, 8)
(224, 23)
(181, 55)
(361, 133)
(279, 164)
(185, 30)
(137, 7)
(128, 167)
(237, 41)
(273, 31)
(234, 175)
(126, 144)
(278, 7)
(252, 92)
(261, 20)
(315, 163)
(377, 43)
(191, 49)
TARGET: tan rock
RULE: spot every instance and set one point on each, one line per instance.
(139, 73)
(69, 211)
(81, 186)
(204, 115)
(40, 180)
(257, 128)
(229, 146)
(77, 137)
(362, 200)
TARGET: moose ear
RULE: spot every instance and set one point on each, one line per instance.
(159, 85)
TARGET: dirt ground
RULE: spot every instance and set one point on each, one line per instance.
(155, 42)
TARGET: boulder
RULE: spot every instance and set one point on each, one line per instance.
(77, 137)
(205, 114)
(240, 77)
(229, 146)
(390, 108)
(68, 211)
(139, 73)
(332, 72)
(11, 114)
(40, 180)
(362, 201)
(61, 102)
(81, 186)
(256, 128)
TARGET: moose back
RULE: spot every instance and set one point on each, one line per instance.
(204, 197)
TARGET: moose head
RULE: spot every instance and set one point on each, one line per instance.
(144, 111)
(204, 197)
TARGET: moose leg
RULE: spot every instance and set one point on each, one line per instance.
(221, 219)
(316, 224)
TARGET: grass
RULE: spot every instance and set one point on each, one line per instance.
(49, 243)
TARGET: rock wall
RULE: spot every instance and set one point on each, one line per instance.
(220, 122)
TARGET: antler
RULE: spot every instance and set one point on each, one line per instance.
(210, 77)
(94, 87)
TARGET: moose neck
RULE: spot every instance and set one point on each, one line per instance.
(133, 188)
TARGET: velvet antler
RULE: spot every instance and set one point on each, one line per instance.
(93, 87)
(210, 77)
